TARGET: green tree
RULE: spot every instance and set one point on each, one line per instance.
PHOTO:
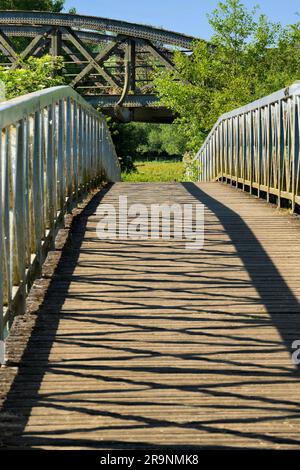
(163, 139)
(248, 57)
(141, 140)
(38, 5)
(35, 74)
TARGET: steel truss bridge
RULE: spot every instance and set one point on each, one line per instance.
(109, 62)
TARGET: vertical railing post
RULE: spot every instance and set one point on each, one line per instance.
(280, 149)
(237, 148)
(2, 250)
(84, 149)
(251, 156)
(269, 151)
(226, 148)
(244, 155)
(6, 241)
(50, 171)
(222, 149)
(295, 147)
(36, 186)
(61, 155)
(69, 147)
(75, 149)
(18, 216)
(27, 190)
(47, 156)
(259, 150)
(80, 148)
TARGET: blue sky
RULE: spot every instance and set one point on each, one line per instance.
(187, 16)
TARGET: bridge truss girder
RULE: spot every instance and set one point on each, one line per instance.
(97, 63)
(91, 69)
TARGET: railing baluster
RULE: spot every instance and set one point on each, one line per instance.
(50, 172)
(48, 157)
(2, 250)
(75, 183)
(80, 147)
(7, 278)
(61, 155)
(297, 150)
(69, 148)
(269, 150)
(257, 145)
(18, 214)
(37, 187)
(27, 190)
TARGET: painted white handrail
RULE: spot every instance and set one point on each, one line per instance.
(257, 147)
(54, 147)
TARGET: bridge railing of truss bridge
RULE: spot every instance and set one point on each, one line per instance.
(256, 147)
(54, 148)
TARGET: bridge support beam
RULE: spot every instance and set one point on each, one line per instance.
(7, 47)
(102, 57)
(132, 65)
(93, 61)
(56, 42)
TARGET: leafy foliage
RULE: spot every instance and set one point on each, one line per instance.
(191, 167)
(250, 57)
(127, 164)
(141, 140)
(35, 74)
(29, 5)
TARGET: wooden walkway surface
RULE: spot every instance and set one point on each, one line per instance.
(146, 344)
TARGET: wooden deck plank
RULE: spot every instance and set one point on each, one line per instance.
(144, 343)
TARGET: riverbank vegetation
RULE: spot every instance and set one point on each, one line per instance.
(144, 141)
(248, 57)
(155, 171)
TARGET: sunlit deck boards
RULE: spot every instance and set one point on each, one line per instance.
(146, 344)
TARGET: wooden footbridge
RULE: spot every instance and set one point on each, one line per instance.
(140, 344)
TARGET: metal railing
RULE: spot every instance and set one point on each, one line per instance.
(257, 147)
(54, 147)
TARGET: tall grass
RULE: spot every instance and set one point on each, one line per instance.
(156, 172)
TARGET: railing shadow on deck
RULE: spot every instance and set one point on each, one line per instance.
(83, 370)
(69, 259)
(17, 421)
(231, 220)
